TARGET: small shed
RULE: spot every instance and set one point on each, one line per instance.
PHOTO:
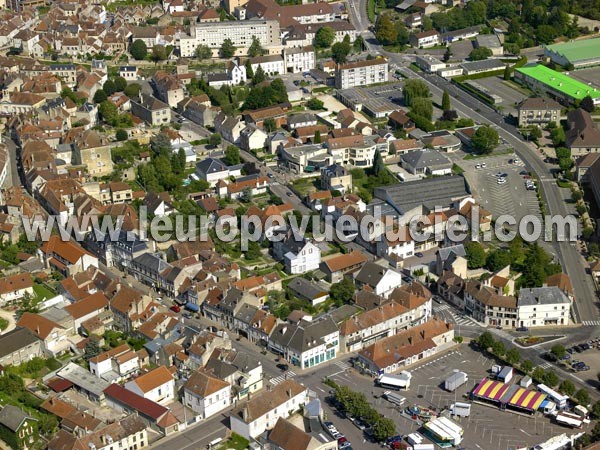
(525, 382)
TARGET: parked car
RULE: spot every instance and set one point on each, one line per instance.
(283, 367)
(523, 329)
(478, 166)
(549, 357)
(419, 254)
(483, 165)
(175, 308)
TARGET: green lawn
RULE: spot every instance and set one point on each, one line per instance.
(42, 292)
(236, 442)
(304, 185)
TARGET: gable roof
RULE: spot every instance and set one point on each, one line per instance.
(15, 282)
(142, 405)
(15, 340)
(88, 305)
(37, 324)
(268, 401)
(203, 384)
(12, 417)
(342, 262)
(153, 379)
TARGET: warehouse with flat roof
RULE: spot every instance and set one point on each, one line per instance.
(556, 84)
(581, 53)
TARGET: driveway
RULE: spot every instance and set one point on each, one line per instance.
(11, 320)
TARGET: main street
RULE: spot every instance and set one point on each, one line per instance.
(466, 105)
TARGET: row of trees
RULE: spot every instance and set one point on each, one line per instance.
(512, 356)
(356, 404)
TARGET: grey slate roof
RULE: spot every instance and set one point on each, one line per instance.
(12, 417)
(371, 274)
(152, 261)
(445, 252)
(300, 118)
(486, 64)
(424, 159)
(431, 192)
(541, 295)
(305, 335)
(15, 340)
(305, 289)
(211, 165)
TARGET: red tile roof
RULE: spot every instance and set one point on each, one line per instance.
(142, 405)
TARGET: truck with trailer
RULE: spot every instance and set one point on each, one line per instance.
(569, 419)
(456, 380)
(397, 382)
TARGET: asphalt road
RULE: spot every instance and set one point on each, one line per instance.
(13, 178)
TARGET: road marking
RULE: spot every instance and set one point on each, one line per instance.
(523, 431)
(281, 378)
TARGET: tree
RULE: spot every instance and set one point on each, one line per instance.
(538, 374)
(378, 165)
(485, 340)
(269, 125)
(161, 145)
(423, 107)
(100, 96)
(596, 409)
(314, 103)
(550, 379)
(447, 54)
(255, 48)
(254, 251)
(558, 350)
(385, 31)
(526, 366)
(138, 49)
(481, 53)
(413, 89)
(383, 428)
(92, 348)
(120, 84)
(109, 87)
(159, 53)
(340, 52)
(359, 44)
(249, 70)
(498, 348)
(513, 356)
(445, 101)
(203, 52)
(227, 48)
(317, 138)
(558, 136)
(567, 387)
(583, 397)
(497, 259)
(232, 155)
(485, 139)
(342, 292)
(109, 112)
(214, 140)
(132, 90)
(507, 73)
(324, 37)
(475, 255)
(121, 135)
(259, 75)
(587, 104)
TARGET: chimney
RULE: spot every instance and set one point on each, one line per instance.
(410, 340)
(423, 334)
(245, 414)
(289, 393)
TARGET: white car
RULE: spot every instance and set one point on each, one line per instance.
(483, 165)
(478, 166)
(501, 180)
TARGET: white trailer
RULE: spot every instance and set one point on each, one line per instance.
(456, 380)
(394, 398)
(569, 419)
(423, 447)
(505, 374)
(400, 381)
(460, 409)
(414, 439)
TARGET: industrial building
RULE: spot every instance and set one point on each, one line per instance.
(582, 53)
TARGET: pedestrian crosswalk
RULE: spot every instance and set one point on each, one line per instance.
(455, 317)
(342, 365)
(281, 378)
(591, 323)
(545, 365)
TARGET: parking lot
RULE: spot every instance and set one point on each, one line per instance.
(486, 428)
(510, 95)
(511, 198)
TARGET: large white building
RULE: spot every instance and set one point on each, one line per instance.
(262, 412)
(206, 395)
(543, 306)
(213, 34)
(300, 59)
(361, 73)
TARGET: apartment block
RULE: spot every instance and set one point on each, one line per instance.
(361, 73)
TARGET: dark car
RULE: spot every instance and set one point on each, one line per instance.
(283, 366)
(585, 346)
(549, 357)
(577, 348)
(289, 194)
(419, 254)
(523, 329)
